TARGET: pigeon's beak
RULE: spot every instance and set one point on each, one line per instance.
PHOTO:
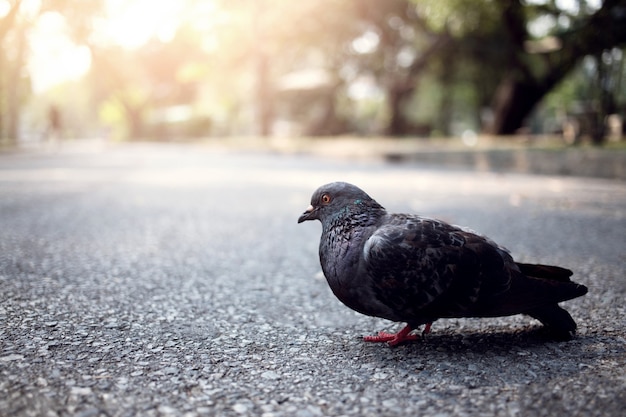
(309, 214)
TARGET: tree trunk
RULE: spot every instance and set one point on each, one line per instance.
(398, 95)
(14, 85)
(7, 22)
(404, 86)
(264, 103)
(135, 123)
(443, 122)
(513, 102)
(2, 94)
(133, 114)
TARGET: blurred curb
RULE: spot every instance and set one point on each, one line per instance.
(491, 156)
(595, 163)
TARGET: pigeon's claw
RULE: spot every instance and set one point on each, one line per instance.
(380, 337)
(393, 339)
(426, 329)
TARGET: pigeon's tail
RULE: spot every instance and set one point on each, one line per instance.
(558, 287)
(555, 273)
(557, 284)
(556, 320)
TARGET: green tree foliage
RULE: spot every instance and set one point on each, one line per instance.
(538, 63)
(514, 52)
(237, 66)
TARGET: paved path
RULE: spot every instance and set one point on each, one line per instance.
(174, 281)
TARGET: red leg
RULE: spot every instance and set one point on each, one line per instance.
(393, 339)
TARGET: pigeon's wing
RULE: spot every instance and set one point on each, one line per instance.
(425, 268)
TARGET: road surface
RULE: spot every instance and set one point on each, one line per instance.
(173, 280)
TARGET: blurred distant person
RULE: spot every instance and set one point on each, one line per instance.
(54, 125)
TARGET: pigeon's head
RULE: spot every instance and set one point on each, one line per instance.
(339, 198)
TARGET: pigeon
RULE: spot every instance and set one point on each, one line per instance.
(413, 269)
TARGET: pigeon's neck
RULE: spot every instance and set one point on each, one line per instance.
(341, 246)
(345, 232)
(360, 214)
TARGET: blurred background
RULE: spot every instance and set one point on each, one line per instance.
(185, 69)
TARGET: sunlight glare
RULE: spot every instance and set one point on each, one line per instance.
(133, 23)
(4, 8)
(54, 57)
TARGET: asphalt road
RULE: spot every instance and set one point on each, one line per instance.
(173, 280)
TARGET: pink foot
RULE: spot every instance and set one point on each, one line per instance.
(394, 339)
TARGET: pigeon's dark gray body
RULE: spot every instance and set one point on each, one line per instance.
(413, 269)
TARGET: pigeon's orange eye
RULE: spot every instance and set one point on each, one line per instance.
(325, 199)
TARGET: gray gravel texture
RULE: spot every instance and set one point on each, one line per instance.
(173, 280)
